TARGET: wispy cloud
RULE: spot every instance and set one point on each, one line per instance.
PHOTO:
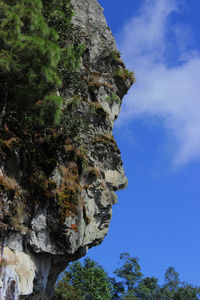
(168, 74)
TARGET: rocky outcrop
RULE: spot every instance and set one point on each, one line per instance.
(57, 186)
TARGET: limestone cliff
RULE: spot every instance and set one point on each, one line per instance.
(57, 186)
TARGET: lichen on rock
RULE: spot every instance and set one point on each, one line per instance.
(57, 184)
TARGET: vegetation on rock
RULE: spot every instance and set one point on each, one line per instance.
(125, 74)
(39, 51)
(113, 98)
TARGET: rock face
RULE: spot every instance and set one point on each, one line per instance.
(57, 187)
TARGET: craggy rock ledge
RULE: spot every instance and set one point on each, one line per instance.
(50, 218)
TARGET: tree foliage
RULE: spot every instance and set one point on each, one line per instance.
(135, 286)
(89, 281)
(37, 47)
(46, 112)
(130, 271)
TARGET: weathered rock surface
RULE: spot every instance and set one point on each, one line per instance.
(57, 188)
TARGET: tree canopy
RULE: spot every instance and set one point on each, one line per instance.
(37, 47)
(87, 281)
(90, 281)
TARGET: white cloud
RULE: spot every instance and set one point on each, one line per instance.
(167, 72)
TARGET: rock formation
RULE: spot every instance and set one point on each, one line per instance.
(57, 187)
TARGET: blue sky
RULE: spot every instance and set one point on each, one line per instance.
(158, 133)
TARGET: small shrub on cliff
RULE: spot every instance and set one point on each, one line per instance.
(98, 109)
(5, 186)
(116, 55)
(93, 82)
(125, 74)
(113, 98)
(47, 112)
